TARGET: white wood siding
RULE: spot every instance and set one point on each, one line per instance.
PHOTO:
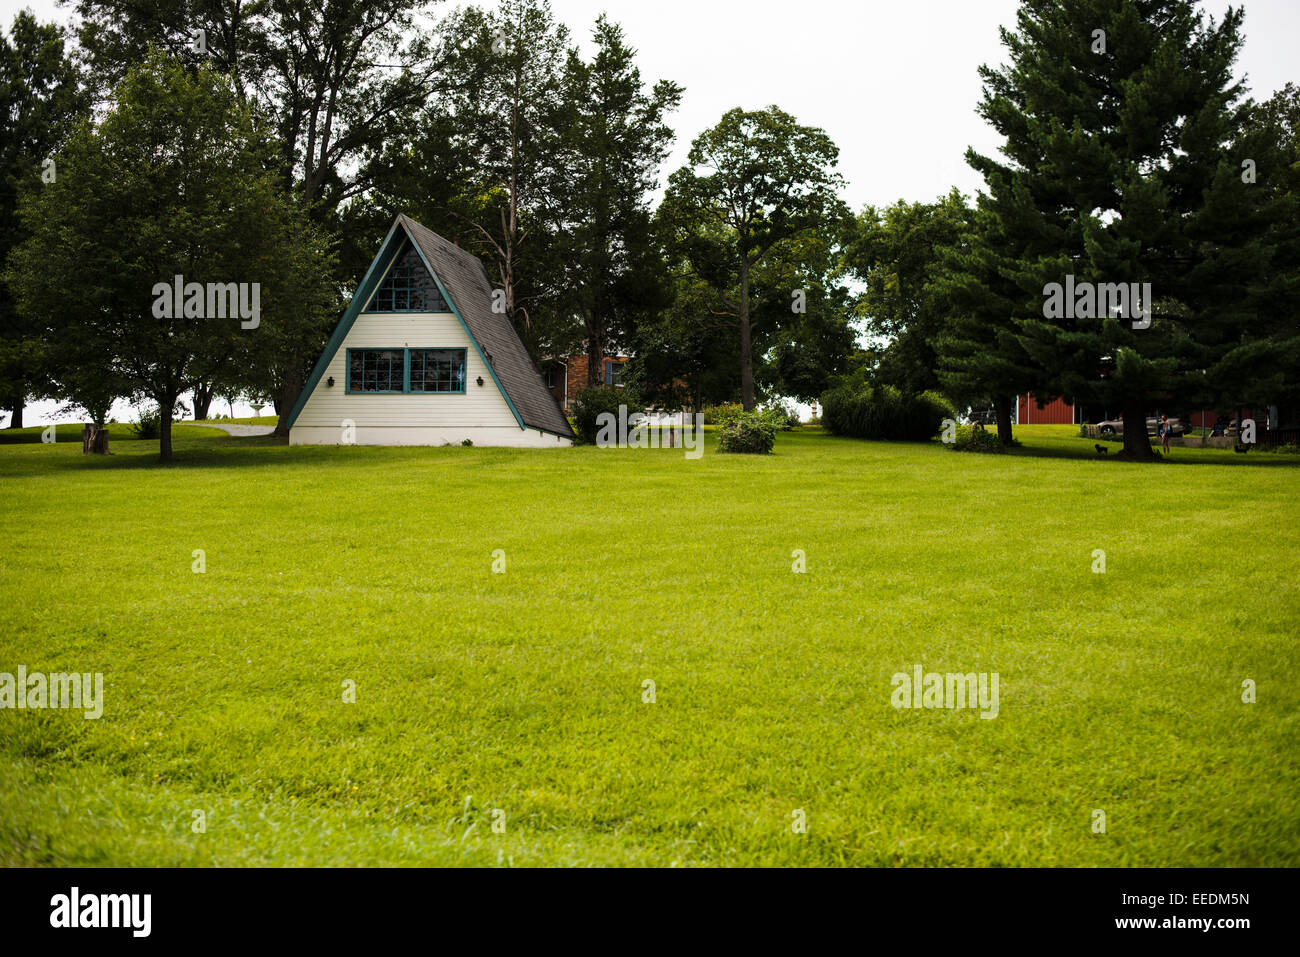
(510, 438)
(482, 407)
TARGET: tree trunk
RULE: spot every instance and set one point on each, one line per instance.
(290, 391)
(746, 348)
(94, 440)
(202, 401)
(1002, 407)
(1136, 443)
(165, 428)
(16, 404)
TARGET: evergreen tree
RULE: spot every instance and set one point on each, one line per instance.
(1124, 166)
(500, 113)
(1264, 367)
(980, 355)
(615, 140)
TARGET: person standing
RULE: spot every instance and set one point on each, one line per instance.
(1164, 433)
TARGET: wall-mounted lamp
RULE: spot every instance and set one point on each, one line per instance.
(480, 381)
(330, 382)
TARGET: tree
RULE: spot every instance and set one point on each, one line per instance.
(684, 355)
(896, 253)
(615, 140)
(40, 99)
(981, 358)
(1264, 369)
(336, 80)
(176, 181)
(754, 181)
(1123, 168)
(801, 310)
(499, 114)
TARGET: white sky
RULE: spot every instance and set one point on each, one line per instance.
(894, 82)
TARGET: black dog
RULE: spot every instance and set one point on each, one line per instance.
(1102, 450)
(1241, 449)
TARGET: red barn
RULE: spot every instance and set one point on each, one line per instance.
(1055, 412)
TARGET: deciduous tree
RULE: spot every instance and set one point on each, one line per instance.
(176, 180)
(754, 181)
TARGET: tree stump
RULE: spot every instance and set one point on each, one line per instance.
(94, 440)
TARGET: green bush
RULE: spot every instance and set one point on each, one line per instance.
(748, 434)
(591, 403)
(782, 416)
(860, 410)
(148, 426)
(723, 414)
(974, 439)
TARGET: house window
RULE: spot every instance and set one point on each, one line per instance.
(406, 371)
(376, 370)
(614, 373)
(437, 370)
(409, 287)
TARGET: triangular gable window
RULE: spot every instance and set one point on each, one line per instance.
(409, 286)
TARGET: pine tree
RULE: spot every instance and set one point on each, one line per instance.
(1123, 166)
(981, 359)
(615, 138)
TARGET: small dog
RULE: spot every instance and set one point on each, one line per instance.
(1102, 450)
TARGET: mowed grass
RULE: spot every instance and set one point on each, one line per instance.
(522, 692)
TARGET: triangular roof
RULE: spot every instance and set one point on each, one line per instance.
(464, 284)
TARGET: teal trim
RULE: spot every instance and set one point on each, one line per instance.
(394, 292)
(374, 275)
(347, 372)
(470, 336)
(464, 368)
(406, 370)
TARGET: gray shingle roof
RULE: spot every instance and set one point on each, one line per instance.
(466, 281)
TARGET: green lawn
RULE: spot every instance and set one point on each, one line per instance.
(523, 691)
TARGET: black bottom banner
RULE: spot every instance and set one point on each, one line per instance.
(1216, 908)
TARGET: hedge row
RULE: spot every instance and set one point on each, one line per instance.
(864, 411)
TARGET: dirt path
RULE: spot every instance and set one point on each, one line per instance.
(240, 431)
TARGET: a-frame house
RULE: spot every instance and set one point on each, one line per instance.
(421, 357)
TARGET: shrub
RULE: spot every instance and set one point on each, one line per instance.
(858, 409)
(723, 414)
(148, 426)
(748, 434)
(972, 439)
(592, 402)
(781, 415)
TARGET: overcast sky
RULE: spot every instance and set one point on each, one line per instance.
(894, 82)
